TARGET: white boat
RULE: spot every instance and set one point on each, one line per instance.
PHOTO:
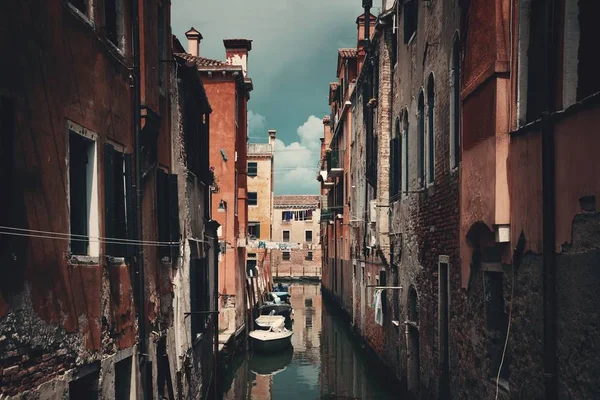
(271, 341)
(265, 322)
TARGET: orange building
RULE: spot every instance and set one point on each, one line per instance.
(228, 88)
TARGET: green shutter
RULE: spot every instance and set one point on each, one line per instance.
(130, 205)
(174, 229)
(109, 197)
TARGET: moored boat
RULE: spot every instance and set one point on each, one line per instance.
(265, 322)
(271, 341)
(282, 309)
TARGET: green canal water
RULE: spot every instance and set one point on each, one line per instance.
(326, 361)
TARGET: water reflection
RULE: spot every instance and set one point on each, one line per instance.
(323, 363)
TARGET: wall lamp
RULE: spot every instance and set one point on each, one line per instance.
(222, 206)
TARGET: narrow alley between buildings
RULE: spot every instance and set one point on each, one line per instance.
(340, 199)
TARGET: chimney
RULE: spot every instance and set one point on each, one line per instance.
(360, 46)
(194, 37)
(236, 52)
(327, 130)
(272, 136)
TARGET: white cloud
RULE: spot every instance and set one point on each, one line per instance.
(256, 124)
(296, 163)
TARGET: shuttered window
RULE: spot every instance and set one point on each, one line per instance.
(168, 213)
(116, 197)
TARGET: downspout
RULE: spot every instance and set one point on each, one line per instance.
(367, 110)
(142, 345)
(549, 209)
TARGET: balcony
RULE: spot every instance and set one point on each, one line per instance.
(335, 163)
(326, 215)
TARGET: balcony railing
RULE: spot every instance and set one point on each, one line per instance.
(335, 162)
(327, 215)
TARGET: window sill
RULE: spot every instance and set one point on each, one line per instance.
(84, 260)
(113, 48)
(79, 15)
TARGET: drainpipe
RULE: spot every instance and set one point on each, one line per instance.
(549, 209)
(142, 345)
(367, 110)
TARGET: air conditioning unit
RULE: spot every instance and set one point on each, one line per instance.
(373, 211)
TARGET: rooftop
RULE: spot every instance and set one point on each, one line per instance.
(205, 62)
(348, 53)
(295, 201)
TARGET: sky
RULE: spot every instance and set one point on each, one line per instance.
(293, 59)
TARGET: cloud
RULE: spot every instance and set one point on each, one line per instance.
(256, 124)
(296, 163)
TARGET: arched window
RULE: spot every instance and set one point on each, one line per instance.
(396, 162)
(455, 105)
(421, 141)
(430, 131)
(405, 152)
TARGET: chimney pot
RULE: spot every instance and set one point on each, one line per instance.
(194, 37)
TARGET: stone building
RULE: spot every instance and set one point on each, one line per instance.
(296, 236)
(261, 163)
(87, 262)
(423, 191)
(480, 176)
(228, 87)
(529, 222)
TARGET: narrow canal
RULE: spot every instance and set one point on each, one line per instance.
(326, 361)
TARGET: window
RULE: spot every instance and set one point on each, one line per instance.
(286, 236)
(199, 296)
(421, 141)
(251, 263)
(308, 236)
(167, 201)
(309, 256)
(162, 56)
(254, 229)
(536, 63)
(443, 319)
(285, 256)
(394, 49)
(430, 131)
(117, 199)
(252, 199)
(405, 152)
(455, 105)
(396, 162)
(411, 16)
(588, 81)
(86, 386)
(496, 321)
(252, 169)
(113, 22)
(123, 378)
(83, 195)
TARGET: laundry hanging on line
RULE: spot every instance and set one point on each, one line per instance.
(377, 305)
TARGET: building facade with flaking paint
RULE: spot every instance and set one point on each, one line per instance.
(76, 318)
(228, 87)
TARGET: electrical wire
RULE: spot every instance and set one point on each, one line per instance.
(512, 300)
(12, 231)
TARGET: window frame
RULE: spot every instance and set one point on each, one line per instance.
(306, 232)
(253, 202)
(252, 172)
(430, 169)
(421, 140)
(92, 229)
(289, 233)
(286, 255)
